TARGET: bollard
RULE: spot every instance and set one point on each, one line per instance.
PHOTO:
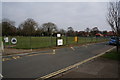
(53, 51)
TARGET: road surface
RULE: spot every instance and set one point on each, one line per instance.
(36, 66)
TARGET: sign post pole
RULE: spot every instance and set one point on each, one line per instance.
(59, 40)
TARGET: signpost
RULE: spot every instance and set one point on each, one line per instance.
(59, 40)
(58, 35)
(13, 40)
(6, 39)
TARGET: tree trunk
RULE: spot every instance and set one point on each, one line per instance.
(117, 45)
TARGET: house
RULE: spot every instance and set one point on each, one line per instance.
(98, 34)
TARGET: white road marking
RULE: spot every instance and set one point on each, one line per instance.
(72, 48)
(1, 75)
(53, 51)
(14, 57)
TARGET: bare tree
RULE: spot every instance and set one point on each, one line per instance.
(113, 19)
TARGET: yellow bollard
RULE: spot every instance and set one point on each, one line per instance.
(76, 39)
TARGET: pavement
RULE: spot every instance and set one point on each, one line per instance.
(12, 51)
(38, 65)
(96, 68)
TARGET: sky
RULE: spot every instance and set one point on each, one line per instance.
(78, 15)
(56, 0)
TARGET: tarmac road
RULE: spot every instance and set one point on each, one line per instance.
(39, 65)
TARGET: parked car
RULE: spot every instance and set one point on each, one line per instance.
(113, 41)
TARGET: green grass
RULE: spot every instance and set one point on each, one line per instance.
(112, 55)
(45, 42)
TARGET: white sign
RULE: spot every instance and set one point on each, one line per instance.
(13, 40)
(58, 35)
(6, 39)
(60, 42)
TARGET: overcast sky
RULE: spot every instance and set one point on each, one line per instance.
(78, 15)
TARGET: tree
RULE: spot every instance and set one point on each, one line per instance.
(70, 31)
(87, 30)
(49, 28)
(104, 33)
(76, 33)
(28, 27)
(94, 31)
(8, 28)
(113, 18)
(62, 31)
(39, 32)
(82, 33)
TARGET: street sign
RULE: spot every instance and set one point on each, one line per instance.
(58, 35)
(6, 39)
(13, 40)
(60, 42)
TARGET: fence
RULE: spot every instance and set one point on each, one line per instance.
(29, 42)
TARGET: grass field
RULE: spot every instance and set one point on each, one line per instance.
(45, 42)
(112, 55)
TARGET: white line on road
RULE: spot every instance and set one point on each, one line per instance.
(72, 48)
(1, 75)
(53, 51)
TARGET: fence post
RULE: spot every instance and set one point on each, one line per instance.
(30, 44)
(66, 39)
(51, 40)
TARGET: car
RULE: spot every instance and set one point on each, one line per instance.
(113, 41)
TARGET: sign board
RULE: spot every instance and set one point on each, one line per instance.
(60, 42)
(6, 39)
(13, 40)
(58, 35)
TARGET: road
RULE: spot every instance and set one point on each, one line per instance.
(36, 66)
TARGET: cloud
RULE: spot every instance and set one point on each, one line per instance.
(78, 15)
(55, 0)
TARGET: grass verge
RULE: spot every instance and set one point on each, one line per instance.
(112, 55)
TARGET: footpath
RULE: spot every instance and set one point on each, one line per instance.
(98, 68)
